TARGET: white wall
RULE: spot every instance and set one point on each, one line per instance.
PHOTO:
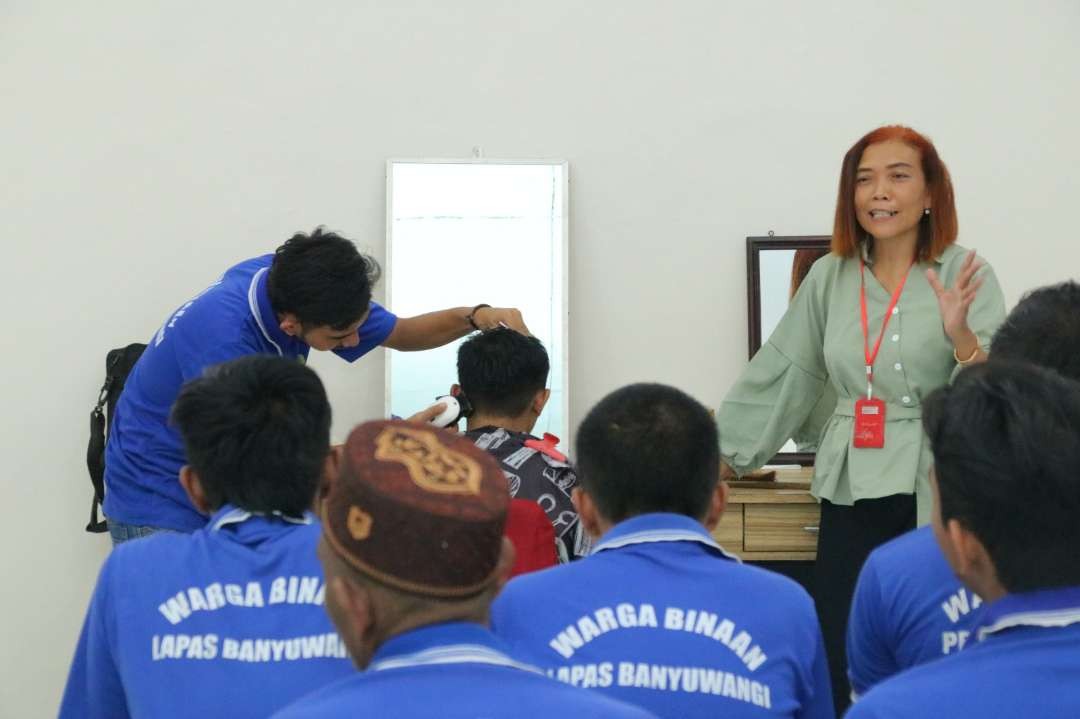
(144, 146)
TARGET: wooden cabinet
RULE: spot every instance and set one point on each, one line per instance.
(771, 521)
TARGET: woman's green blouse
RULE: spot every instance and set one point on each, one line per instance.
(818, 345)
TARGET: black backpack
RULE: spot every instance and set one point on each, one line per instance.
(118, 364)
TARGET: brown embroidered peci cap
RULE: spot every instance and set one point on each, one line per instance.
(417, 508)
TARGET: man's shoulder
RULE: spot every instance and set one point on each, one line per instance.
(533, 584)
(773, 584)
(251, 265)
(928, 689)
(908, 547)
(907, 559)
(168, 551)
(152, 548)
(381, 694)
(521, 452)
(497, 440)
(576, 701)
(332, 699)
(141, 567)
(602, 568)
(234, 286)
(236, 278)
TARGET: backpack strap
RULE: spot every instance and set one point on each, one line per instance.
(118, 364)
(95, 449)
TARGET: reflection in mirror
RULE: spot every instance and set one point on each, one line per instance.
(776, 267)
(775, 276)
(464, 232)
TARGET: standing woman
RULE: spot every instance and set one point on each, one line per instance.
(887, 317)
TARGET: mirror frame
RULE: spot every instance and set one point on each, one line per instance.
(754, 246)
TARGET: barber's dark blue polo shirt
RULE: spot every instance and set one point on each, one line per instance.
(228, 621)
(660, 616)
(231, 318)
(909, 608)
(1023, 663)
(456, 670)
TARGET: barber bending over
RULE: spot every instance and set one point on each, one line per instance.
(313, 292)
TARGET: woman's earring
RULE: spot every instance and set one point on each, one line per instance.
(926, 211)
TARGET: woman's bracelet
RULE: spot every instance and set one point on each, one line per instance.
(969, 360)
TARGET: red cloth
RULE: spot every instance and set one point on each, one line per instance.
(530, 531)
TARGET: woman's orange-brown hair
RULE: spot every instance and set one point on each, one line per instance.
(937, 230)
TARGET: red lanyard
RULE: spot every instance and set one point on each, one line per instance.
(871, 356)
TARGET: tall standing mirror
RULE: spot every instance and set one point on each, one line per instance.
(775, 268)
(461, 232)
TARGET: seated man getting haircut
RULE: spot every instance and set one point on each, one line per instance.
(909, 607)
(1006, 448)
(228, 620)
(503, 374)
(413, 552)
(659, 615)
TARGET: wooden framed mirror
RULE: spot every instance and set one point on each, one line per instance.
(775, 267)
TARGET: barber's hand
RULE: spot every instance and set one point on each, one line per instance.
(431, 413)
(488, 318)
(428, 414)
(727, 474)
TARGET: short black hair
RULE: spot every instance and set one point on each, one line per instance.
(322, 279)
(1006, 443)
(257, 432)
(501, 370)
(1044, 329)
(648, 448)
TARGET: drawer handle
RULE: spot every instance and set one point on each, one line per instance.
(811, 530)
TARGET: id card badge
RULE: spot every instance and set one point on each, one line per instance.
(869, 424)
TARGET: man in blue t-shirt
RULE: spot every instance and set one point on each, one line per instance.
(909, 607)
(1006, 496)
(313, 292)
(228, 620)
(413, 553)
(659, 615)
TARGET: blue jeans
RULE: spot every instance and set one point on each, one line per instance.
(121, 532)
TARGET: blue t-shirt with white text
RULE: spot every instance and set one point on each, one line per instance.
(226, 621)
(1023, 661)
(660, 616)
(909, 608)
(453, 670)
(229, 319)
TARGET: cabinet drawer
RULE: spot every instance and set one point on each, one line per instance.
(729, 532)
(781, 527)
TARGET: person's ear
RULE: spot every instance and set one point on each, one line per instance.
(717, 505)
(455, 389)
(355, 616)
(505, 565)
(189, 480)
(290, 325)
(540, 401)
(970, 560)
(587, 512)
(331, 468)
